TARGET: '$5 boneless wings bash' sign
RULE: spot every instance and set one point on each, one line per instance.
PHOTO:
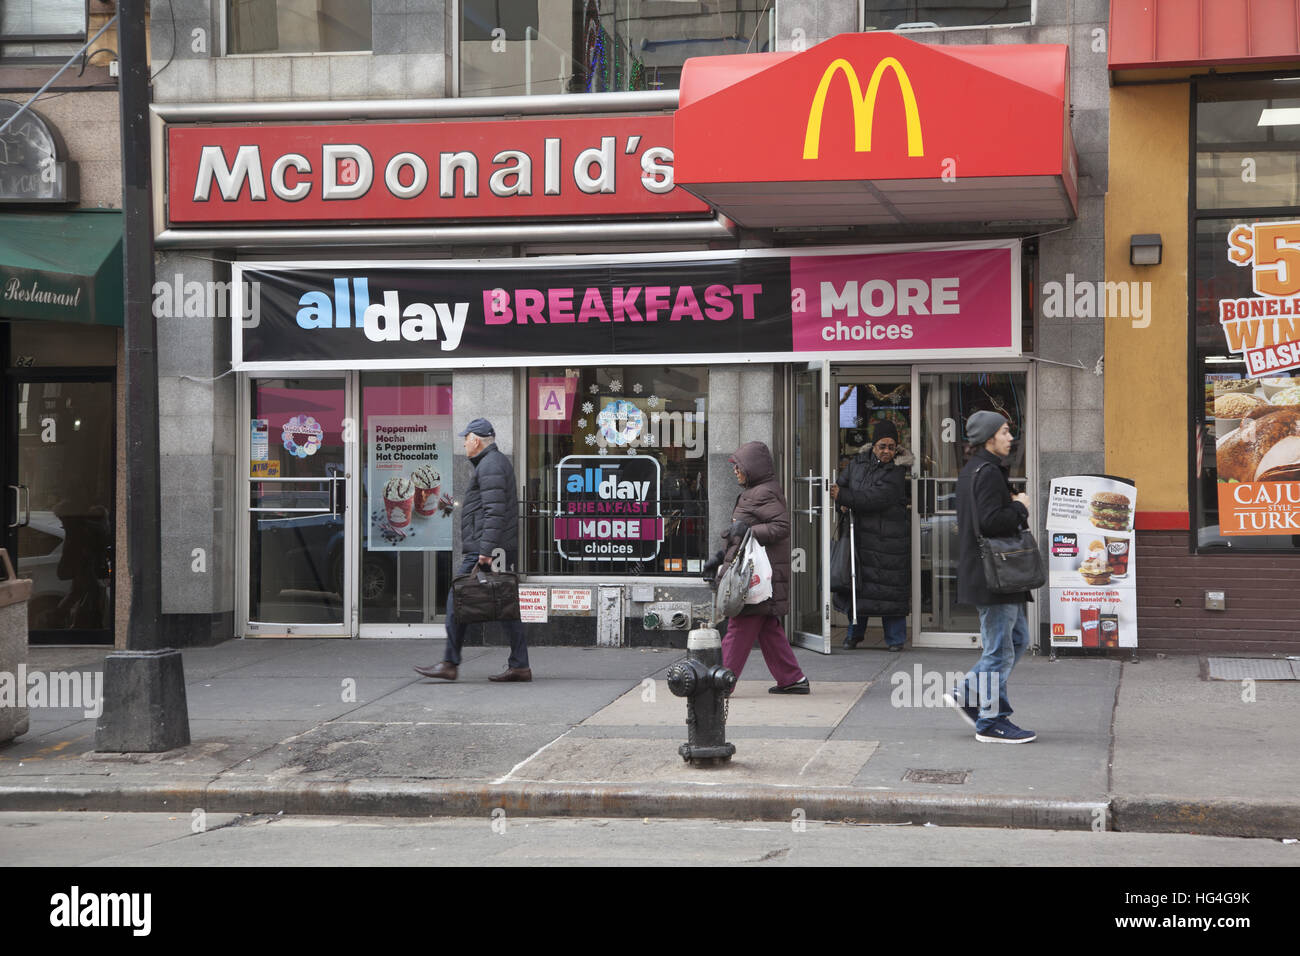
(1257, 416)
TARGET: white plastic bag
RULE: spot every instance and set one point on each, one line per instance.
(760, 582)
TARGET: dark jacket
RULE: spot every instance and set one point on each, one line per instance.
(876, 494)
(761, 505)
(489, 516)
(984, 501)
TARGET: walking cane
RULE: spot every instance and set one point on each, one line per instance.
(853, 569)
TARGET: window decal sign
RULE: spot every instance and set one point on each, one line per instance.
(408, 482)
(914, 302)
(302, 435)
(1257, 417)
(608, 508)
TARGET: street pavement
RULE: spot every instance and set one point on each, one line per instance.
(345, 727)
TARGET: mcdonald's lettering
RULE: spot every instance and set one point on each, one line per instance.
(864, 107)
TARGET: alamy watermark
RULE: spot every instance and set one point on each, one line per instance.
(1074, 299)
(79, 690)
(926, 688)
(175, 298)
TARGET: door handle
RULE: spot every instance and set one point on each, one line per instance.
(23, 504)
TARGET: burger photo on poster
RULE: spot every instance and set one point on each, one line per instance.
(1110, 511)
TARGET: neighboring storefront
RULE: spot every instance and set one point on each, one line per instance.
(1203, 388)
(60, 337)
(629, 285)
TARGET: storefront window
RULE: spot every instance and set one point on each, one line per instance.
(1246, 316)
(892, 14)
(297, 26)
(35, 30)
(617, 471)
(407, 443)
(513, 47)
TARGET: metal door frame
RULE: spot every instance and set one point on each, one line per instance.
(351, 527)
(922, 638)
(9, 461)
(853, 373)
(814, 490)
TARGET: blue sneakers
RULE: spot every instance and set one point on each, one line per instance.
(968, 714)
(1004, 731)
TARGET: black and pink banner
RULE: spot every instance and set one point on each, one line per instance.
(907, 302)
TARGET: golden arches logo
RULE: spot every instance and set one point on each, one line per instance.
(864, 107)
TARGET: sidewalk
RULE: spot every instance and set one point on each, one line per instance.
(346, 727)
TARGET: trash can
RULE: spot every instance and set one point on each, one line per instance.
(13, 651)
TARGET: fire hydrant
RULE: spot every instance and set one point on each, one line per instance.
(705, 684)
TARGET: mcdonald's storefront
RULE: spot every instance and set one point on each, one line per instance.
(792, 248)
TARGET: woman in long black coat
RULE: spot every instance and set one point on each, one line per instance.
(874, 489)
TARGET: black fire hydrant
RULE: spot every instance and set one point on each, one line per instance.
(705, 684)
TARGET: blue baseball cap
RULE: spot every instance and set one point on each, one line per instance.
(479, 426)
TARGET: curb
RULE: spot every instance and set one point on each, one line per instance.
(1230, 818)
(422, 799)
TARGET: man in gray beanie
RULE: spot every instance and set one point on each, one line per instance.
(986, 506)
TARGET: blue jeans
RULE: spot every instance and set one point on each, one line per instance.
(1004, 630)
(895, 630)
(456, 631)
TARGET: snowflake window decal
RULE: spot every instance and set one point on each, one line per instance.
(595, 389)
(582, 423)
(653, 401)
(616, 385)
(636, 388)
(591, 440)
(588, 408)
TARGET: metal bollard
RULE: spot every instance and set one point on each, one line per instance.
(705, 684)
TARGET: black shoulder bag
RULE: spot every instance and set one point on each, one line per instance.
(1011, 564)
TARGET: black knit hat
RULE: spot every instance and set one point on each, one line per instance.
(883, 429)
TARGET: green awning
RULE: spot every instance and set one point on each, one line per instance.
(63, 266)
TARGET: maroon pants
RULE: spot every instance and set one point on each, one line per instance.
(767, 630)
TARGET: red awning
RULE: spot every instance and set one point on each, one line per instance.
(874, 128)
(1192, 33)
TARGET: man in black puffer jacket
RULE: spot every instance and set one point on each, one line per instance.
(489, 521)
(874, 490)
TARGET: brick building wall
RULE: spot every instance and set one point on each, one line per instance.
(1263, 599)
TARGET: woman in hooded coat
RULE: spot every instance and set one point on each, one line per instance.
(761, 509)
(874, 489)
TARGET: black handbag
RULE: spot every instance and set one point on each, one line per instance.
(1012, 564)
(482, 595)
(842, 557)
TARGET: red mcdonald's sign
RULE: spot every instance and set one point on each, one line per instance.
(939, 133)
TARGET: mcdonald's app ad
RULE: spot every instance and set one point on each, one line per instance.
(930, 299)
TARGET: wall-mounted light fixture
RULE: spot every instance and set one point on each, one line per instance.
(1144, 250)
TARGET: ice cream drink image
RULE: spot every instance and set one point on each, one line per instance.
(399, 500)
(427, 485)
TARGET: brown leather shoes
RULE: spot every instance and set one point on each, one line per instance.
(442, 671)
(521, 674)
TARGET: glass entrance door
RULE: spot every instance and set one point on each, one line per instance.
(299, 532)
(867, 395)
(59, 507)
(945, 399)
(810, 594)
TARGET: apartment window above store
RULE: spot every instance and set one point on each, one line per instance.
(616, 474)
(545, 47)
(297, 26)
(915, 14)
(41, 31)
(1246, 261)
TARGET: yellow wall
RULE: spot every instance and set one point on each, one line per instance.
(1146, 368)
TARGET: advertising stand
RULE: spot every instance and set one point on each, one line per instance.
(1091, 562)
